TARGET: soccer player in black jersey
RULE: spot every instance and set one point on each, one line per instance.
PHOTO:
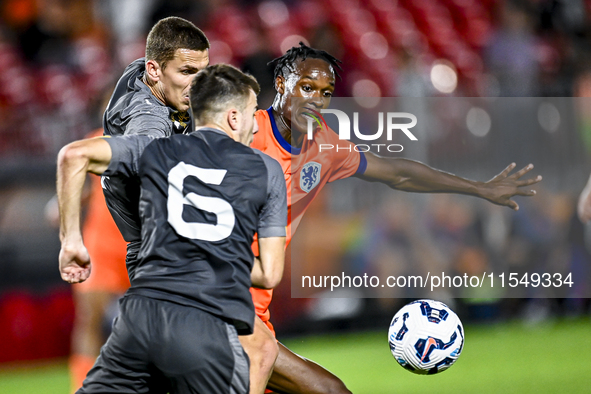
(151, 98)
(203, 196)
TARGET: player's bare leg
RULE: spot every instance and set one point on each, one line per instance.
(261, 347)
(294, 374)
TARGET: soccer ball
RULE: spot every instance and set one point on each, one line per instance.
(426, 337)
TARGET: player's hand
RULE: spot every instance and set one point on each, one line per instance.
(74, 262)
(503, 187)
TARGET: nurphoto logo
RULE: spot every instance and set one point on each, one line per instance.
(394, 124)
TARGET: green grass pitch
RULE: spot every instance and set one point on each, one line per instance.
(501, 358)
(554, 357)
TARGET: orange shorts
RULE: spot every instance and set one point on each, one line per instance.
(261, 299)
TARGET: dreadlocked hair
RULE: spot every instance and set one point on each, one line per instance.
(302, 52)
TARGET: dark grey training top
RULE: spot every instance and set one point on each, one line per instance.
(133, 109)
(203, 196)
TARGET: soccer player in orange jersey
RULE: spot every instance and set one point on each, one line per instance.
(308, 75)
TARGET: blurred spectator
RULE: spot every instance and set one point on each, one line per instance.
(128, 22)
(49, 37)
(511, 54)
(197, 12)
(256, 63)
(411, 81)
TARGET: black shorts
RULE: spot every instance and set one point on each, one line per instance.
(159, 347)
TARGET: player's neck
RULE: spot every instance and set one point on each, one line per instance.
(155, 88)
(285, 130)
(225, 128)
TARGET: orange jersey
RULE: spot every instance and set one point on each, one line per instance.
(104, 243)
(306, 170)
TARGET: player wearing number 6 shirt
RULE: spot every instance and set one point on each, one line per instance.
(203, 196)
(152, 98)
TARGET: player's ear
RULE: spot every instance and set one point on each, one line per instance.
(280, 84)
(234, 119)
(153, 70)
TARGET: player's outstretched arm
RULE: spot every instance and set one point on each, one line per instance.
(267, 270)
(584, 205)
(413, 176)
(75, 160)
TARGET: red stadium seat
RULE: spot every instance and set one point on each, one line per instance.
(219, 51)
(355, 21)
(8, 56)
(478, 32)
(275, 38)
(472, 20)
(310, 15)
(232, 27)
(56, 85)
(339, 6)
(17, 86)
(382, 6)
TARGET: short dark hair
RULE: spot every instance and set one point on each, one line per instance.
(217, 86)
(291, 57)
(170, 34)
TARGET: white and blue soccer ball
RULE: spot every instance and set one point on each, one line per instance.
(426, 337)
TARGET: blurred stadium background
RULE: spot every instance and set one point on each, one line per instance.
(58, 59)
